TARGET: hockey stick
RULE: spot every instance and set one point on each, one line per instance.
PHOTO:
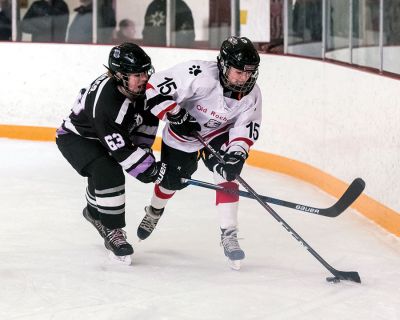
(348, 197)
(338, 275)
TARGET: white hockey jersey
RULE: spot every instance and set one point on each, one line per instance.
(194, 85)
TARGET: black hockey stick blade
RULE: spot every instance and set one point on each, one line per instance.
(346, 275)
(346, 200)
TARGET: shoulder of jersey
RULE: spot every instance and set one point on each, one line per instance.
(201, 68)
(195, 69)
(203, 73)
(110, 99)
(255, 95)
(256, 90)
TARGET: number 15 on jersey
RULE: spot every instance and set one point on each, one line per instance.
(253, 130)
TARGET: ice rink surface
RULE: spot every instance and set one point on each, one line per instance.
(53, 264)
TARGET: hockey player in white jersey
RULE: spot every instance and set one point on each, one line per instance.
(108, 130)
(221, 101)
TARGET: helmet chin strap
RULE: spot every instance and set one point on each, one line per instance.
(129, 94)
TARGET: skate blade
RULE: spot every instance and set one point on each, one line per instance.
(124, 260)
(235, 264)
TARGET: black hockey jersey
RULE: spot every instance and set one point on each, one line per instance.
(126, 128)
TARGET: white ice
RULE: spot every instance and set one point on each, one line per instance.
(53, 264)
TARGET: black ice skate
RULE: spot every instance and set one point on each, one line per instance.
(231, 247)
(149, 222)
(115, 241)
(96, 223)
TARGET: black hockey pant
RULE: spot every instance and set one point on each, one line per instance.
(105, 193)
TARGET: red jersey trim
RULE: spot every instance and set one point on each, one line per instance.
(162, 113)
(216, 132)
(175, 136)
(245, 140)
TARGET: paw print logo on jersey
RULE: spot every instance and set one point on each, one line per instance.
(194, 70)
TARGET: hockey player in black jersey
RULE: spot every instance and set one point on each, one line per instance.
(108, 130)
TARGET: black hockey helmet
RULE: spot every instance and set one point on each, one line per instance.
(240, 53)
(128, 58)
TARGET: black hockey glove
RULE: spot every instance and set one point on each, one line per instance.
(148, 168)
(183, 123)
(234, 162)
(150, 175)
(209, 159)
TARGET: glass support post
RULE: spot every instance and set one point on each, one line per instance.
(324, 31)
(235, 18)
(381, 35)
(170, 23)
(14, 8)
(351, 31)
(285, 26)
(95, 11)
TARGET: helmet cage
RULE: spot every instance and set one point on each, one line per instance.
(125, 60)
(122, 79)
(239, 53)
(246, 87)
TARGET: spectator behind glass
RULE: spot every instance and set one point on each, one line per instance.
(80, 30)
(46, 20)
(106, 21)
(307, 20)
(5, 20)
(392, 22)
(154, 32)
(126, 32)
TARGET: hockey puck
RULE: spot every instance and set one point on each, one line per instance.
(333, 279)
